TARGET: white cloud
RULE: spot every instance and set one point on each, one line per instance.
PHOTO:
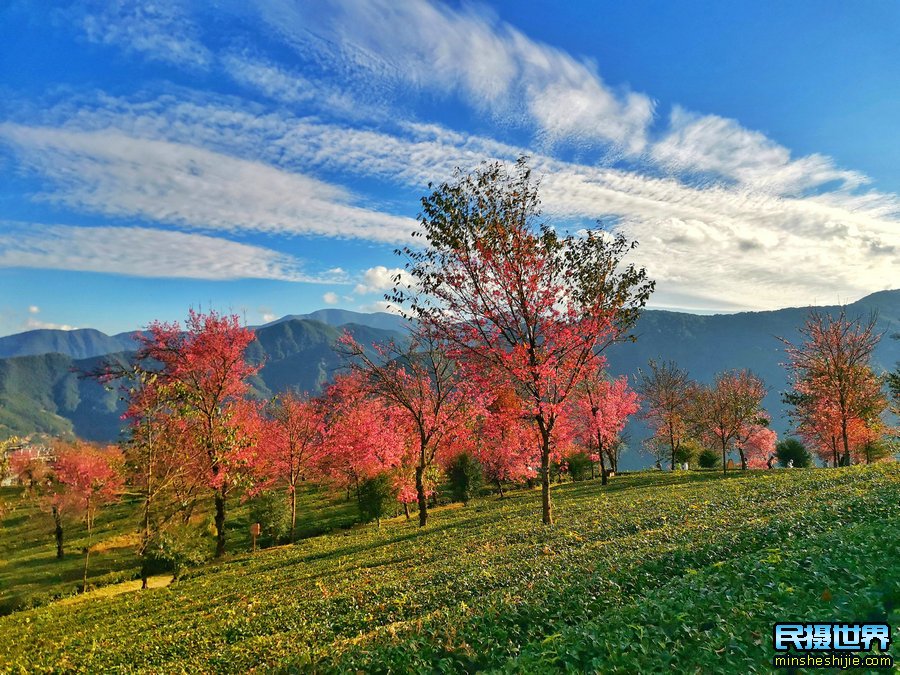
(161, 31)
(267, 314)
(330, 298)
(381, 306)
(380, 279)
(709, 143)
(115, 174)
(35, 324)
(143, 252)
(488, 62)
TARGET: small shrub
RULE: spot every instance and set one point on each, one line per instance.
(176, 551)
(708, 459)
(376, 497)
(792, 449)
(271, 511)
(579, 465)
(466, 477)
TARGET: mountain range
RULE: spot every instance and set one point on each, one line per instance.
(41, 389)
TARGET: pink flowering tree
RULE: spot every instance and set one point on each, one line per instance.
(423, 385)
(89, 477)
(290, 447)
(516, 304)
(507, 443)
(201, 381)
(600, 411)
(362, 435)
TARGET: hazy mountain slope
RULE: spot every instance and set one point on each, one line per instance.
(41, 393)
(79, 344)
(341, 317)
(45, 393)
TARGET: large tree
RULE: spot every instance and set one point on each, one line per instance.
(424, 386)
(729, 411)
(200, 373)
(516, 303)
(831, 373)
(664, 390)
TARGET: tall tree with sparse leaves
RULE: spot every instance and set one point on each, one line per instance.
(516, 303)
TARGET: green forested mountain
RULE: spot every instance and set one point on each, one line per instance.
(48, 393)
(81, 343)
(44, 392)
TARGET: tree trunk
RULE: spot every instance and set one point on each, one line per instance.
(57, 521)
(87, 557)
(406, 509)
(604, 474)
(420, 495)
(546, 506)
(500, 488)
(846, 440)
(672, 445)
(293, 513)
(724, 462)
(743, 459)
(220, 523)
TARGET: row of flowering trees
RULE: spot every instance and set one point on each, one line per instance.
(505, 363)
(726, 414)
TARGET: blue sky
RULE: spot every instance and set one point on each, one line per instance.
(268, 157)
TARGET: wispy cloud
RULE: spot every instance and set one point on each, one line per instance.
(722, 147)
(144, 252)
(161, 31)
(727, 217)
(468, 53)
(114, 174)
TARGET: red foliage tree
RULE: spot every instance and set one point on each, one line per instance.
(728, 410)
(758, 445)
(507, 445)
(832, 378)
(88, 477)
(290, 447)
(202, 377)
(422, 385)
(517, 305)
(35, 473)
(363, 434)
(600, 411)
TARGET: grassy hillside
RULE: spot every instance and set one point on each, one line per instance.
(656, 571)
(30, 573)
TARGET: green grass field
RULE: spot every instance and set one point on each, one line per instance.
(684, 571)
(30, 573)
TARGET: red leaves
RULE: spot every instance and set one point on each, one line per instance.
(837, 397)
(198, 391)
(88, 477)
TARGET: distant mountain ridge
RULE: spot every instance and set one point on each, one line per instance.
(342, 317)
(41, 391)
(81, 343)
(47, 393)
